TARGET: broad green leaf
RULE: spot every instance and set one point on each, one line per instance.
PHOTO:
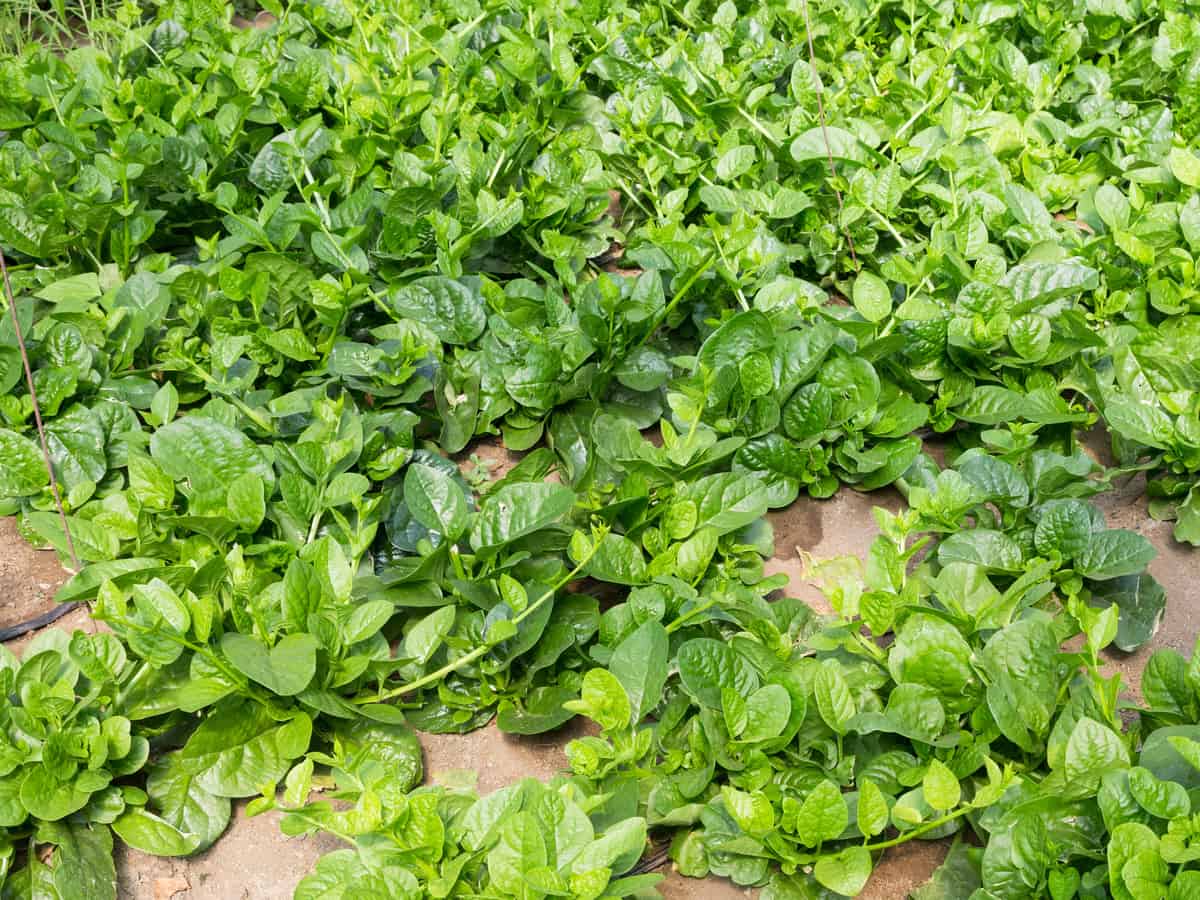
(285, 669)
(1185, 166)
(1113, 553)
(239, 749)
(1041, 282)
(436, 500)
(151, 834)
(819, 144)
(822, 816)
(941, 787)
(207, 453)
(834, 700)
(184, 804)
(641, 664)
(767, 712)
(871, 297)
(872, 808)
(1164, 799)
(83, 861)
(845, 872)
(516, 510)
(603, 700)
(1092, 749)
(707, 666)
(22, 468)
(451, 310)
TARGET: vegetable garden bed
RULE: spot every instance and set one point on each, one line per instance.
(701, 267)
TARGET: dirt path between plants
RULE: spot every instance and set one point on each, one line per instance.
(254, 861)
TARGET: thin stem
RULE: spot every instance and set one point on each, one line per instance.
(820, 91)
(919, 830)
(37, 412)
(690, 614)
(679, 295)
(479, 651)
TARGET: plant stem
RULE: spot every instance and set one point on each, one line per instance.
(920, 830)
(456, 664)
(679, 295)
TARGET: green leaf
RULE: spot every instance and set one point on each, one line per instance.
(22, 468)
(1016, 858)
(1127, 841)
(184, 804)
(1169, 754)
(603, 700)
(151, 834)
(285, 669)
(958, 876)
(246, 501)
(872, 808)
(541, 710)
(1065, 527)
(157, 597)
(1112, 207)
(708, 666)
(436, 500)
(451, 310)
(993, 550)
(1141, 603)
(207, 453)
(990, 405)
(767, 712)
(1164, 799)
(72, 289)
(640, 664)
(423, 640)
(821, 143)
(735, 162)
(1185, 166)
(845, 872)
(1113, 553)
(1187, 524)
(751, 810)
(83, 862)
(239, 749)
(1139, 422)
(871, 297)
(519, 849)
(617, 560)
(1030, 336)
(822, 816)
(618, 849)
(1041, 282)
(941, 787)
(516, 510)
(1093, 749)
(834, 700)
(387, 749)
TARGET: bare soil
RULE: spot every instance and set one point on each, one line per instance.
(254, 861)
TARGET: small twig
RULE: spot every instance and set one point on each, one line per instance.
(37, 412)
(812, 58)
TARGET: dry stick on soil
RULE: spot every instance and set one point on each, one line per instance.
(53, 615)
(812, 59)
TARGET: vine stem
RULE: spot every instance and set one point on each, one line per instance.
(920, 830)
(705, 265)
(455, 665)
(37, 415)
(812, 59)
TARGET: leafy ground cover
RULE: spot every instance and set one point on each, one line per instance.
(275, 282)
